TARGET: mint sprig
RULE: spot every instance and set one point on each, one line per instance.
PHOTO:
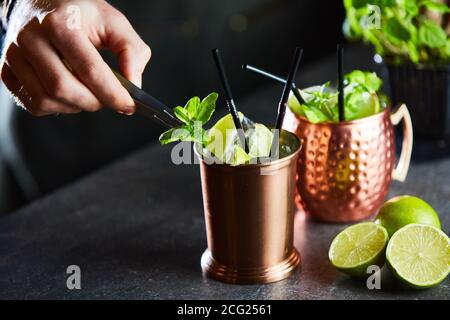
(193, 115)
(362, 98)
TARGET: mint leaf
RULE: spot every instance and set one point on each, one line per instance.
(432, 35)
(193, 107)
(372, 81)
(361, 99)
(191, 133)
(314, 115)
(174, 135)
(207, 107)
(182, 114)
(355, 76)
(369, 80)
(194, 115)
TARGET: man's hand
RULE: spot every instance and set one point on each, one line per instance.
(51, 62)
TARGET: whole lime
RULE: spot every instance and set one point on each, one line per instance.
(403, 210)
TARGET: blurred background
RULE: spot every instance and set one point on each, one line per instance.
(39, 155)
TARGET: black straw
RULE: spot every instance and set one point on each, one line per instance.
(340, 51)
(283, 101)
(229, 96)
(287, 87)
(295, 91)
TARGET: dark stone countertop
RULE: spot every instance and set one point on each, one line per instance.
(136, 230)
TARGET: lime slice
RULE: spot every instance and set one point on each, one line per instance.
(223, 135)
(403, 210)
(260, 141)
(295, 105)
(419, 255)
(238, 156)
(360, 105)
(219, 139)
(358, 247)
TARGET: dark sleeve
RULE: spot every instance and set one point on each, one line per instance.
(8, 6)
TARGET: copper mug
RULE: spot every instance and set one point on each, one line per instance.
(249, 215)
(345, 169)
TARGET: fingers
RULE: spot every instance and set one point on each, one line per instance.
(56, 79)
(13, 84)
(132, 52)
(18, 73)
(88, 65)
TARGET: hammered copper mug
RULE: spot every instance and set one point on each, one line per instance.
(345, 169)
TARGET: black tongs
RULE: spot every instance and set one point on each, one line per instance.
(147, 105)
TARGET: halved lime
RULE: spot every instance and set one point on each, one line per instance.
(358, 247)
(419, 255)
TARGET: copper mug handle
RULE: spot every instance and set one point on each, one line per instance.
(402, 114)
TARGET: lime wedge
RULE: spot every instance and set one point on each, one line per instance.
(238, 157)
(218, 136)
(419, 255)
(360, 105)
(223, 141)
(260, 141)
(295, 105)
(358, 247)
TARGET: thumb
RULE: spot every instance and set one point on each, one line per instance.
(133, 53)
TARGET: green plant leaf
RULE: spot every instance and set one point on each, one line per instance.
(360, 3)
(446, 50)
(387, 3)
(411, 7)
(350, 32)
(407, 33)
(413, 53)
(431, 35)
(396, 31)
(435, 6)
